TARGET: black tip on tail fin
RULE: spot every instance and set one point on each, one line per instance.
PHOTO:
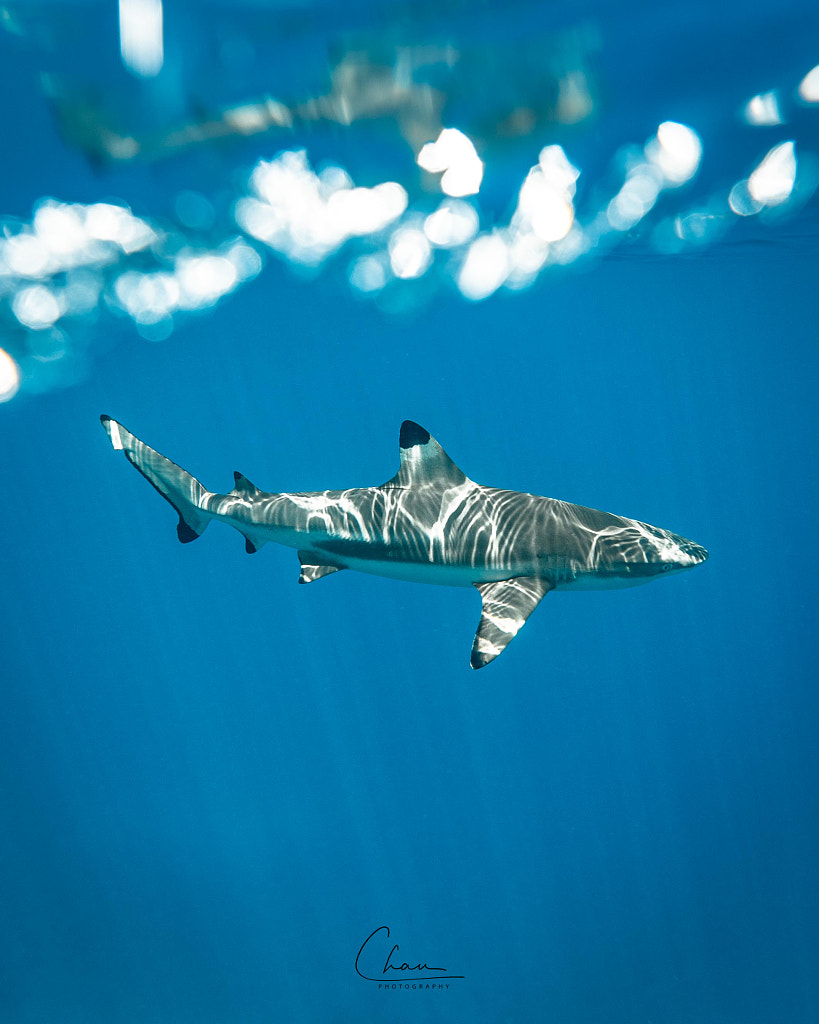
(184, 532)
(181, 490)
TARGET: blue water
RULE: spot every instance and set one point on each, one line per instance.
(217, 784)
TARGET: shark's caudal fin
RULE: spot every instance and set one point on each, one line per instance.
(175, 485)
(506, 606)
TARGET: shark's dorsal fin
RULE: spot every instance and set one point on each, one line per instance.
(423, 460)
(506, 606)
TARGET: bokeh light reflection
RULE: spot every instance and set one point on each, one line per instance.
(773, 180)
(454, 157)
(809, 86)
(74, 263)
(9, 376)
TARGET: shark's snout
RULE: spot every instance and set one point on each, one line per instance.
(696, 552)
(687, 554)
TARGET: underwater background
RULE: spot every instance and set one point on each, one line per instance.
(578, 243)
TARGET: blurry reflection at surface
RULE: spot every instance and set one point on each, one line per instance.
(545, 201)
(454, 157)
(773, 180)
(9, 377)
(676, 150)
(410, 253)
(140, 35)
(307, 216)
(382, 104)
(453, 223)
(36, 307)
(809, 86)
(763, 109)
(485, 268)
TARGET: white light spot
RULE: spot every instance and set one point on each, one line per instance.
(27, 255)
(742, 202)
(410, 253)
(147, 298)
(308, 216)
(762, 110)
(60, 228)
(140, 36)
(246, 261)
(81, 292)
(36, 307)
(9, 376)
(545, 206)
(116, 440)
(453, 155)
(773, 180)
(676, 150)
(247, 119)
(809, 86)
(485, 268)
(109, 223)
(635, 198)
(367, 274)
(363, 211)
(698, 227)
(204, 279)
(527, 254)
(558, 170)
(453, 223)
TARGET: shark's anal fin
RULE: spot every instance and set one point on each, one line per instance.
(311, 569)
(506, 606)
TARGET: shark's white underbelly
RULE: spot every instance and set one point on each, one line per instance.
(436, 573)
(422, 572)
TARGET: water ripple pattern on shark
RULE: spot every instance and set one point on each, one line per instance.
(431, 524)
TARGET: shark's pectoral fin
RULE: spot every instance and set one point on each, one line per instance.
(506, 606)
(311, 569)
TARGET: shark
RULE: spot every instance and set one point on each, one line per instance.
(430, 524)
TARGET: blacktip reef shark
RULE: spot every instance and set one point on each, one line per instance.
(431, 524)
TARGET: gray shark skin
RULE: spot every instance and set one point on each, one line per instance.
(431, 524)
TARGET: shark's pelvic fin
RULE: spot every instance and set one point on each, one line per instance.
(506, 606)
(312, 570)
(423, 460)
(175, 485)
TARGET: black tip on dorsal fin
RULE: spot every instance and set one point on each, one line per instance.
(423, 460)
(412, 434)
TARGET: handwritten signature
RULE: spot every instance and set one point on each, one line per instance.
(369, 951)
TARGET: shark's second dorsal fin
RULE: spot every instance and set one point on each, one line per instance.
(423, 460)
(243, 488)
